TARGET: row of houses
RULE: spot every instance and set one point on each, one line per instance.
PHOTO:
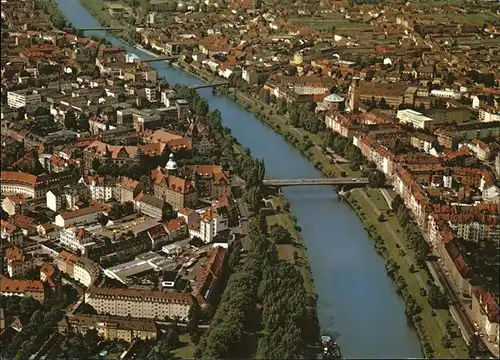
(424, 182)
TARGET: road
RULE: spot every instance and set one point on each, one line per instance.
(456, 306)
(244, 227)
(181, 324)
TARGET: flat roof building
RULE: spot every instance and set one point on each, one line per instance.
(414, 118)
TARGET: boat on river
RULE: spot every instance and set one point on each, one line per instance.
(331, 350)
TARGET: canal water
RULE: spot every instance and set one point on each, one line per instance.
(357, 301)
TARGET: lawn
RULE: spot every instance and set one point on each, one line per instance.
(186, 351)
(403, 255)
(99, 10)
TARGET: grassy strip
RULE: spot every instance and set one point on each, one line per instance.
(98, 10)
(295, 253)
(430, 328)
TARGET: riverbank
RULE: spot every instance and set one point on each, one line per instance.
(391, 243)
(431, 325)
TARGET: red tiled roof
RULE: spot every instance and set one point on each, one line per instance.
(175, 224)
(20, 286)
(85, 211)
(19, 178)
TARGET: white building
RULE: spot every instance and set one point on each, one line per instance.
(475, 230)
(54, 200)
(150, 93)
(76, 238)
(491, 193)
(102, 188)
(66, 198)
(23, 288)
(479, 148)
(211, 223)
(447, 94)
(489, 115)
(83, 216)
(140, 303)
(497, 164)
(168, 97)
(85, 271)
(484, 310)
(23, 98)
(414, 118)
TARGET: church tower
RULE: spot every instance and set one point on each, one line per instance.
(354, 94)
(171, 165)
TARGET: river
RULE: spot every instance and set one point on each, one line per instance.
(357, 301)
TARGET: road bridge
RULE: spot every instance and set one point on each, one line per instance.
(315, 182)
(162, 58)
(209, 85)
(104, 28)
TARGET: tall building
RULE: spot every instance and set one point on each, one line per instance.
(354, 94)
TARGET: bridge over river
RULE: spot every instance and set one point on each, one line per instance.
(312, 182)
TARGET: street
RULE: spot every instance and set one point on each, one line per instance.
(244, 223)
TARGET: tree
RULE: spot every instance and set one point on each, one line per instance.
(446, 341)
(37, 318)
(172, 338)
(70, 121)
(253, 197)
(96, 164)
(437, 299)
(376, 179)
(102, 219)
(412, 307)
(145, 6)
(160, 351)
(83, 122)
(194, 316)
(235, 256)
(128, 208)
(76, 348)
(115, 212)
(91, 338)
(28, 306)
(280, 235)
(396, 203)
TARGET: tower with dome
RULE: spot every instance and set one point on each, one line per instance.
(171, 165)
